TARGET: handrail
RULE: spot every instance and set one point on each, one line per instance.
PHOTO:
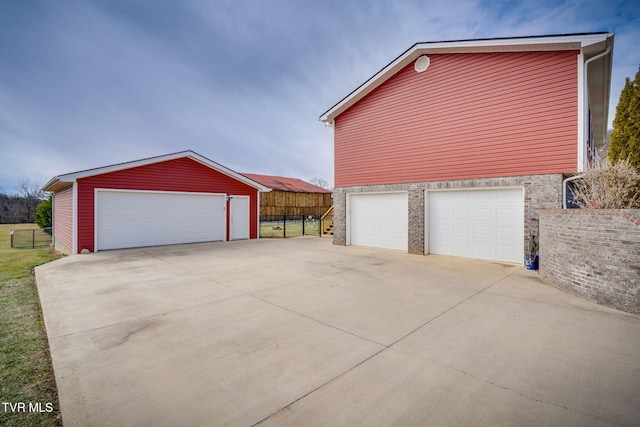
(327, 212)
(326, 230)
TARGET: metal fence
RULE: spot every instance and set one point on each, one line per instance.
(31, 238)
(283, 226)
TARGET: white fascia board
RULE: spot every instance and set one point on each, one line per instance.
(523, 44)
(258, 216)
(213, 165)
(74, 219)
(73, 177)
(529, 43)
(375, 81)
(49, 183)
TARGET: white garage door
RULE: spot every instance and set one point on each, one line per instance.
(378, 220)
(129, 219)
(484, 224)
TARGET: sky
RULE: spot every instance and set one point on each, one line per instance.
(90, 83)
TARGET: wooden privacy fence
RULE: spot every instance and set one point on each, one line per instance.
(289, 203)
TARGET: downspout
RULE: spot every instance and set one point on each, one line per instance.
(53, 216)
(585, 123)
(586, 103)
(564, 189)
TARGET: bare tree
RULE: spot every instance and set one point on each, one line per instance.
(28, 198)
(29, 190)
(607, 185)
(320, 182)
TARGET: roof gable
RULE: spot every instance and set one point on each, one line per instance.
(281, 183)
(590, 44)
(61, 181)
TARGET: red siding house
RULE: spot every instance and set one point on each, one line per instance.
(454, 146)
(175, 198)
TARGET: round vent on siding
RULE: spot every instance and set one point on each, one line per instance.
(422, 63)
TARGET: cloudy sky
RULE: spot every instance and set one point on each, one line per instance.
(90, 83)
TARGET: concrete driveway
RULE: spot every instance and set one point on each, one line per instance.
(302, 332)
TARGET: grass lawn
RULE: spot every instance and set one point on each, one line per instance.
(26, 374)
(293, 228)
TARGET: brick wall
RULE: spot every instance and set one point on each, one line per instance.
(540, 191)
(339, 216)
(593, 253)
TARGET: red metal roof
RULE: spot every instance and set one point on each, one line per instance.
(281, 183)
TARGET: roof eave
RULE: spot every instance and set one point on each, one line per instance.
(56, 184)
(222, 169)
(67, 179)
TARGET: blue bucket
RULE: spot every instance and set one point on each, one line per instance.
(531, 262)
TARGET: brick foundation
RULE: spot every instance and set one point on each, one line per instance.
(541, 191)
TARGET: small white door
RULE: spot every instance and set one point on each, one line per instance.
(239, 217)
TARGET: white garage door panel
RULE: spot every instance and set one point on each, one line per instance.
(379, 220)
(135, 219)
(484, 224)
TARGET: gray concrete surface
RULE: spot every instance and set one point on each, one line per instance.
(302, 332)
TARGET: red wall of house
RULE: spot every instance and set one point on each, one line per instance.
(63, 218)
(181, 174)
(467, 116)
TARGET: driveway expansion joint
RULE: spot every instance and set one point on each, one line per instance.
(462, 301)
(494, 384)
(317, 321)
(384, 348)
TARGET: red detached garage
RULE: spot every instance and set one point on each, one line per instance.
(171, 199)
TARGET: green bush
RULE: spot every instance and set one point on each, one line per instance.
(625, 138)
(42, 217)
